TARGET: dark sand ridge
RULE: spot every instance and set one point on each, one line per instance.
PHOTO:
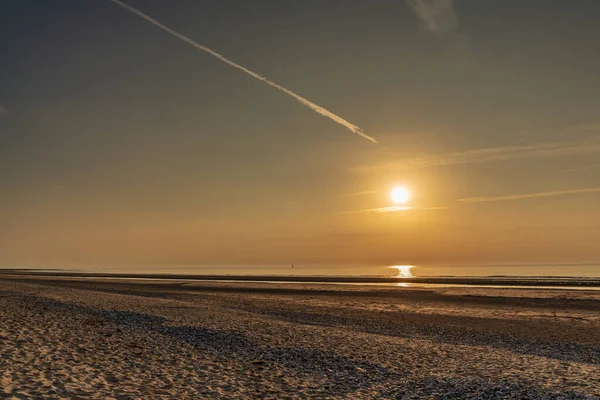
(488, 281)
(281, 341)
(561, 299)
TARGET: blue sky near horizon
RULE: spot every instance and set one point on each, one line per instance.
(121, 144)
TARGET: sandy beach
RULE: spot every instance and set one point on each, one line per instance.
(74, 338)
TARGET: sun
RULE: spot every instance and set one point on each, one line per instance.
(400, 195)
(403, 271)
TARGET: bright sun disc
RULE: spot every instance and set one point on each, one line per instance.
(403, 271)
(400, 195)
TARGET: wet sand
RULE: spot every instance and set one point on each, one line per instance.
(100, 338)
(548, 281)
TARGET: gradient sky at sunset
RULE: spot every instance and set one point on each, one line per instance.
(121, 144)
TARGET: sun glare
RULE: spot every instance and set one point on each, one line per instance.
(400, 195)
(403, 271)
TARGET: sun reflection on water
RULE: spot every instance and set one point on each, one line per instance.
(403, 271)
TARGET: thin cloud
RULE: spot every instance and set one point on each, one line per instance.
(528, 195)
(437, 16)
(316, 108)
(496, 154)
(583, 168)
(509, 153)
(367, 192)
(392, 209)
(585, 127)
(3, 110)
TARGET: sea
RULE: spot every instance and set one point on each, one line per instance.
(591, 270)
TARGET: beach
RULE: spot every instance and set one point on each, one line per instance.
(74, 337)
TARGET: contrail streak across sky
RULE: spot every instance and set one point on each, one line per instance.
(353, 128)
(529, 195)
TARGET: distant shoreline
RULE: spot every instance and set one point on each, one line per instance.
(564, 282)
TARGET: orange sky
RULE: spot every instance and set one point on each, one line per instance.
(120, 144)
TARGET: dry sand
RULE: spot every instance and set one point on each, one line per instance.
(77, 338)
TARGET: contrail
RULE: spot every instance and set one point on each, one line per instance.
(307, 103)
(494, 154)
(528, 195)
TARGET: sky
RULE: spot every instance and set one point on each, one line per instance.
(122, 143)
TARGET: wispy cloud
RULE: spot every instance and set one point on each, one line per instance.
(392, 209)
(355, 194)
(316, 108)
(3, 110)
(511, 153)
(592, 126)
(474, 200)
(471, 200)
(494, 154)
(437, 16)
(583, 168)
